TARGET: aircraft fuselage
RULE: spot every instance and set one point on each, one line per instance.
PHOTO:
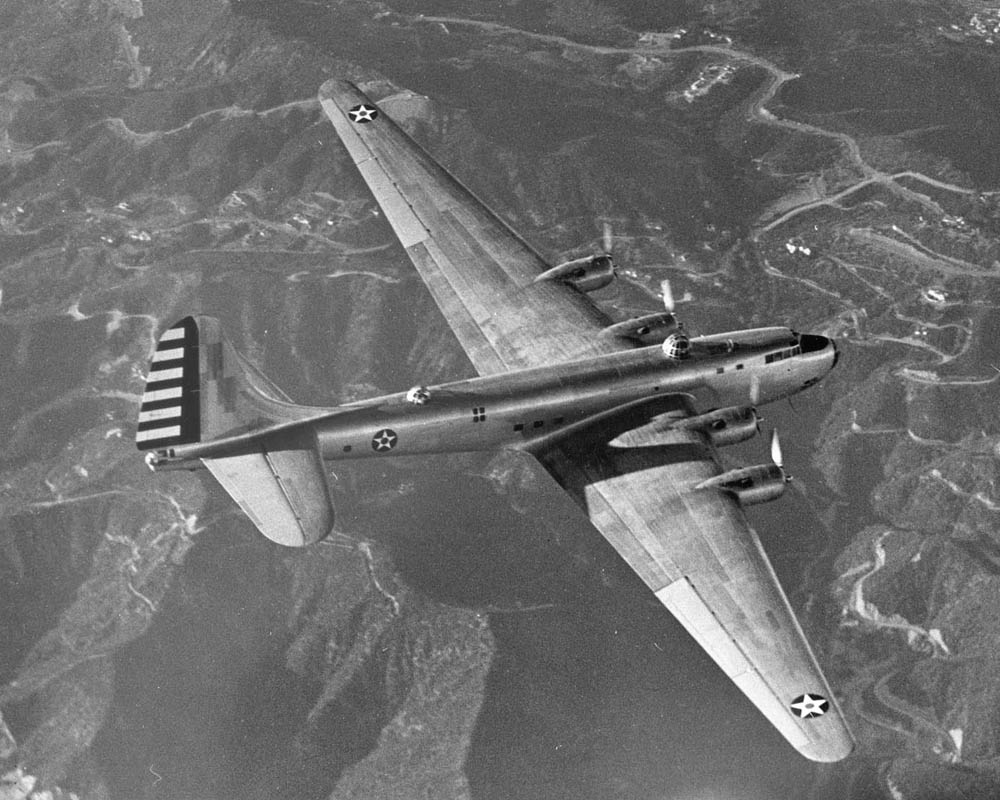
(510, 410)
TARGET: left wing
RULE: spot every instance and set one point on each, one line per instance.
(479, 271)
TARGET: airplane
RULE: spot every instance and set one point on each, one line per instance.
(624, 416)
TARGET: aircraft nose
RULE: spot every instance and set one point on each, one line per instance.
(813, 343)
(822, 347)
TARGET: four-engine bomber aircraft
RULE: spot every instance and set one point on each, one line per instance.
(624, 416)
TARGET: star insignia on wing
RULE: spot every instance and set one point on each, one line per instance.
(810, 705)
(384, 440)
(363, 113)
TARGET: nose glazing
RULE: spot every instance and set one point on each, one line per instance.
(812, 343)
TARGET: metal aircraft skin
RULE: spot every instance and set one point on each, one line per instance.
(626, 417)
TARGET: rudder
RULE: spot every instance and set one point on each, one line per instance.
(170, 413)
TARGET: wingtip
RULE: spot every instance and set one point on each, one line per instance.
(335, 88)
(829, 750)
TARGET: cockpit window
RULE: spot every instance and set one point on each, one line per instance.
(770, 358)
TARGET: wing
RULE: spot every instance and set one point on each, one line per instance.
(694, 549)
(699, 555)
(478, 270)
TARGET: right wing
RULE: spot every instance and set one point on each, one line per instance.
(698, 554)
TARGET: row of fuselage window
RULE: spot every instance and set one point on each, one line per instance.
(479, 415)
(770, 358)
(538, 423)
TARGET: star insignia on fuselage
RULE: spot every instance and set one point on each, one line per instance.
(384, 440)
(807, 706)
(363, 113)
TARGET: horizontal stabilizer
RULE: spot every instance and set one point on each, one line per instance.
(281, 486)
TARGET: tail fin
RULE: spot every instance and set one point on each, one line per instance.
(201, 396)
(171, 412)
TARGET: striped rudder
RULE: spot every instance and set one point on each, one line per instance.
(170, 413)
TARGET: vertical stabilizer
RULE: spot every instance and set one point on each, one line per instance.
(199, 390)
(171, 413)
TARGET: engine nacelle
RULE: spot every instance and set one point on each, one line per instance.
(724, 426)
(647, 329)
(587, 274)
(750, 485)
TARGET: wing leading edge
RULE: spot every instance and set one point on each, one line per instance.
(694, 549)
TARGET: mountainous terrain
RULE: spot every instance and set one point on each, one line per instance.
(464, 634)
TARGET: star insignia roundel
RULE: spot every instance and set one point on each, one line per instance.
(810, 705)
(363, 113)
(383, 440)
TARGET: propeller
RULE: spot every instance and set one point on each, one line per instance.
(755, 399)
(608, 245)
(776, 456)
(776, 450)
(668, 295)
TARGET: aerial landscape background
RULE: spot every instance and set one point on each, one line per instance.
(463, 634)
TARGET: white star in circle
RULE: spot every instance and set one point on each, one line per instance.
(363, 113)
(384, 439)
(810, 705)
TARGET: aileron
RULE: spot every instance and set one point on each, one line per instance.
(692, 612)
(401, 215)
